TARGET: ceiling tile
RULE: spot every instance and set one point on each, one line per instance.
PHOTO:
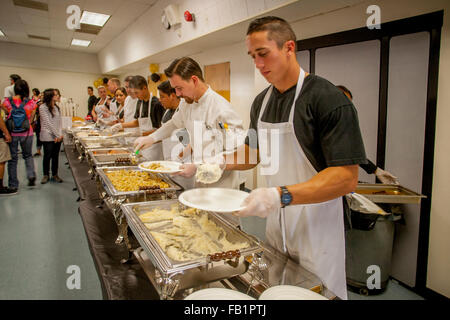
(37, 31)
(35, 20)
(35, 12)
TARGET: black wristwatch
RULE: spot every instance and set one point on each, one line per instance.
(286, 197)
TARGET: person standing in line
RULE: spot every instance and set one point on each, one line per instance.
(51, 134)
(36, 122)
(5, 155)
(9, 90)
(21, 110)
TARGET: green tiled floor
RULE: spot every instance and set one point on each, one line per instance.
(41, 236)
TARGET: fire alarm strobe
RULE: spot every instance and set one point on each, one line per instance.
(188, 16)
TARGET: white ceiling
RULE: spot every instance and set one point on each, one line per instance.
(17, 22)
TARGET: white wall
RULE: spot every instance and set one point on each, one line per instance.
(71, 84)
(146, 36)
(71, 72)
(21, 55)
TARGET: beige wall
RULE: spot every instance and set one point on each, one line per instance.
(71, 84)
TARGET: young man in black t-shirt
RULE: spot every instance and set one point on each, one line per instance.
(306, 134)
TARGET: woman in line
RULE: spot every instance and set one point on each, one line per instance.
(23, 134)
(51, 134)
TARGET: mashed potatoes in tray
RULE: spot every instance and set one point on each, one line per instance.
(130, 180)
(187, 234)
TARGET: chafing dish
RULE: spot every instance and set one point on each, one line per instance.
(386, 193)
(114, 198)
(108, 157)
(170, 276)
(98, 142)
(84, 144)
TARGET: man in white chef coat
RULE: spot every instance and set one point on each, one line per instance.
(213, 126)
(308, 141)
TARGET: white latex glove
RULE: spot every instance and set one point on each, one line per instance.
(116, 128)
(143, 143)
(188, 170)
(261, 202)
(386, 177)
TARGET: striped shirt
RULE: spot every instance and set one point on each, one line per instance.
(50, 126)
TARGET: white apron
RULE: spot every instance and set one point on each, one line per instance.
(128, 116)
(145, 124)
(314, 233)
(171, 148)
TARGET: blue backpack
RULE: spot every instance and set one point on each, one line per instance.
(18, 121)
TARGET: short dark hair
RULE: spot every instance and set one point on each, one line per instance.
(105, 80)
(184, 67)
(166, 88)
(15, 77)
(155, 77)
(91, 88)
(278, 29)
(21, 89)
(36, 91)
(138, 82)
(345, 90)
(128, 79)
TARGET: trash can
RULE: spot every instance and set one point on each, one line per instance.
(368, 244)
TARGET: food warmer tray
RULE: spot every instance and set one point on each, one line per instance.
(113, 198)
(387, 193)
(101, 158)
(170, 276)
(98, 143)
(112, 191)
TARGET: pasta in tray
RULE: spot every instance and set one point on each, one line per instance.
(130, 180)
(187, 234)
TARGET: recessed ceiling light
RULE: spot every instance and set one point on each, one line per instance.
(82, 43)
(93, 18)
(1, 34)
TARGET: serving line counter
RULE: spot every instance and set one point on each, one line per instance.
(149, 273)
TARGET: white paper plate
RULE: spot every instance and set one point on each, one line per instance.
(218, 294)
(285, 292)
(214, 199)
(171, 166)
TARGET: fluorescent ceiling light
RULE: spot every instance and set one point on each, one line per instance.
(93, 18)
(82, 43)
(1, 34)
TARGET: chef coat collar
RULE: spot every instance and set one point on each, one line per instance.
(203, 97)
